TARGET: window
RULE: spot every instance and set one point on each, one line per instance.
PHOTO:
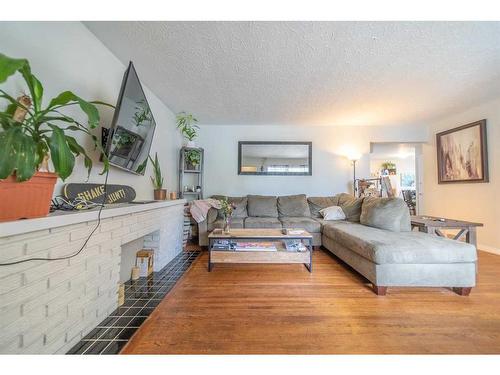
(287, 168)
(407, 181)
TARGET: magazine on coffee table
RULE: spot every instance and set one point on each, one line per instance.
(255, 246)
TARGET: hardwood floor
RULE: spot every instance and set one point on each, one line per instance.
(278, 309)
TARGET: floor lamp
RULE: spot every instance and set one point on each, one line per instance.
(353, 163)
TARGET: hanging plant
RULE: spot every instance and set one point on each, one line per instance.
(186, 123)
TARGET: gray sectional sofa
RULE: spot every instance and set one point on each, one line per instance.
(375, 238)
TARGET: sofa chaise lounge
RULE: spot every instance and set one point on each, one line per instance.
(375, 238)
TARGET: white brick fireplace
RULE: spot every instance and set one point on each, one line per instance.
(46, 307)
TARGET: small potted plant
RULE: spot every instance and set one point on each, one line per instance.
(227, 211)
(186, 123)
(192, 159)
(30, 133)
(160, 194)
(390, 167)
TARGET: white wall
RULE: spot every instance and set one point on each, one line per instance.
(331, 172)
(478, 202)
(67, 56)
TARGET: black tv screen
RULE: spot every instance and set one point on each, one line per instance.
(131, 134)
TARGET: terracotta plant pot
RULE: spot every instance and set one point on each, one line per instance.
(28, 199)
(160, 195)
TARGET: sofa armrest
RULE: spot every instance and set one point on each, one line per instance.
(203, 226)
(212, 215)
(203, 233)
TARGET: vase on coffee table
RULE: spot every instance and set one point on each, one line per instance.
(227, 224)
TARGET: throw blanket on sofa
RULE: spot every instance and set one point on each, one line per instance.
(199, 208)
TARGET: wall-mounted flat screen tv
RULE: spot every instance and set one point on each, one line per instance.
(131, 134)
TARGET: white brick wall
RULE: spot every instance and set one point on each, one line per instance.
(47, 307)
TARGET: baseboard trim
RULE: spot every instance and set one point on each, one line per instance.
(489, 249)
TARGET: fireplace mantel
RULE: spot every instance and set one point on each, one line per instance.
(63, 218)
(46, 307)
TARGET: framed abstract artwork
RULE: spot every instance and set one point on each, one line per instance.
(462, 154)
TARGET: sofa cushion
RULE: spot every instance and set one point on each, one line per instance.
(386, 213)
(262, 222)
(293, 206)
(219, 223)
(382, 246)
(262, 206)
(311, 225)
(351, 206)
(318, 203)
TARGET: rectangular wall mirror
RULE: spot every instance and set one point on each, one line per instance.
(275, 158)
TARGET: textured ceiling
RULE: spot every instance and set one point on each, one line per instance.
(312, 73)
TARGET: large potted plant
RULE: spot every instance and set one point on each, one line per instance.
(160, 194)
(31, 132)
(186, 123)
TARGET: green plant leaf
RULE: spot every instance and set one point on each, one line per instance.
(26, 158)
(67, 98)
(37, 94)
(102, 103)
(91, 112)
(142, 166)
(158, 179)
(79, 150)
(8, 158)
(17, 153)
(34, 86)
(6, 121)
(63, 98)
(60, 153)
(56, 118)
(11, 109)
(41, 150)
(9, 66)
(12, 100)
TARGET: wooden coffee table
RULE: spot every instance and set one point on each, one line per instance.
(281, 255)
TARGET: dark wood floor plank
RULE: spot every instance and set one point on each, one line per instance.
(278, 309)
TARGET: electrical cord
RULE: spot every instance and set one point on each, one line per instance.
(84, 244)
(60, 203)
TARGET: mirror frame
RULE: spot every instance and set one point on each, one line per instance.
(242, 143)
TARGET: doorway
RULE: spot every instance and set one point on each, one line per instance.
(401, 163)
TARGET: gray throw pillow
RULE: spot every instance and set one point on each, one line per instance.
(241, 206)
(351, 206)
(220, 215)
(316, 204)
(386, 213)
(262, 206)
(293, 206)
